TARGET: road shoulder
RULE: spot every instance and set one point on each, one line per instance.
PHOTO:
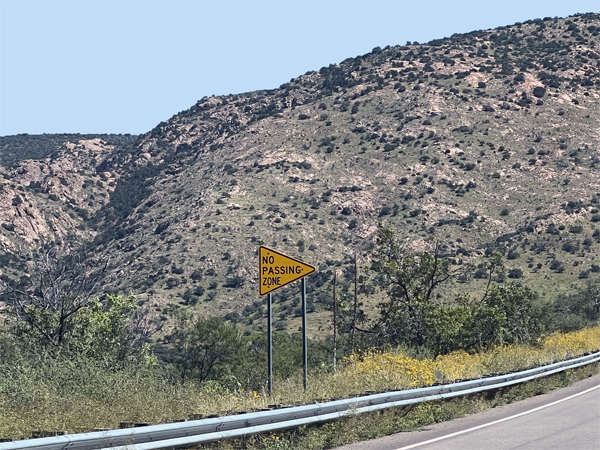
(399, 440)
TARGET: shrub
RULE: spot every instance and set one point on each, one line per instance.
(570, 247)
(196, 275)
(198, 291)
(481, 273)
(552, 229)
(17, 200)
(172, 282)
(234, 282)
(513, 254)
(539, 92)
(555, 264)
(386, 210)
(515, 273)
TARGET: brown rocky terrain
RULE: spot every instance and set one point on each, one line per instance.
(488, 141)
(73, 190)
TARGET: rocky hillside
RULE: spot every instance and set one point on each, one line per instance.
(488, 140)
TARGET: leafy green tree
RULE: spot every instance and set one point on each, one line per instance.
(416, 314)
(506, 314)
(207, 348)
(578, 310)
(509, 314)
(453, 326)
(412, 281)
(251, 372)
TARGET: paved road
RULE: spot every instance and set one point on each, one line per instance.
(567, 418)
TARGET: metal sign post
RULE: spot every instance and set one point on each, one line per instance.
(304, 339)
(270, 344)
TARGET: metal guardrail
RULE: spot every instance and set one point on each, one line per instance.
(202, 431)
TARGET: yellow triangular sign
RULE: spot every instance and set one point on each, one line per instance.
(276, 270)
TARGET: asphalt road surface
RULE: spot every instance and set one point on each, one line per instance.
(567, 418)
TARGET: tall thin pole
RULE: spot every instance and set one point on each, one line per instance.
(304, 339)
(355, 300)
(334, 323)
(270, 344)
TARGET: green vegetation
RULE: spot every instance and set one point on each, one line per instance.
(415, 314)
(65, 346)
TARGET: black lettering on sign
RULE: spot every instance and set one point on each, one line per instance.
(282, 270)
(268, 260)
(272, 281)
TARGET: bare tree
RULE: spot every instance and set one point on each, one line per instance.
(57, 290)
(65, 306)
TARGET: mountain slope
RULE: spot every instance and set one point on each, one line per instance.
(488, 140)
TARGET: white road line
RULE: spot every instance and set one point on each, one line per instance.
(418, 444)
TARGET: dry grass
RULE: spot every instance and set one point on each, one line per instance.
(73, 397)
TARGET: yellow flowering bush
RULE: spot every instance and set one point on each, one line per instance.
(396, 370)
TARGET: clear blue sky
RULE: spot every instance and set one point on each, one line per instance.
(124, 66)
